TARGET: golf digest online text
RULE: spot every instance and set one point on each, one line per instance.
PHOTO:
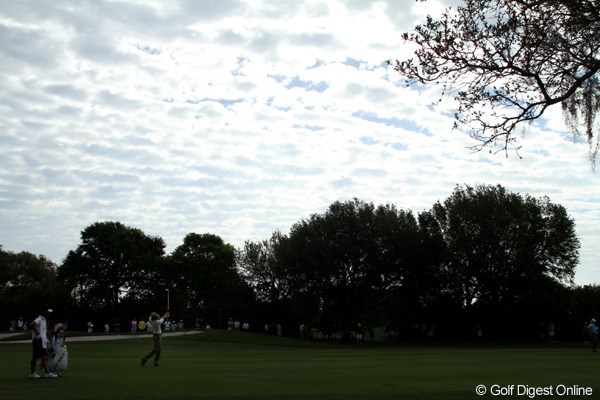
(534, 391)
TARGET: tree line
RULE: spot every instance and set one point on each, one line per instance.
(483, 259)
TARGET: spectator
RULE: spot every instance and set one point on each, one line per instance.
(359, 333)
(586, 333)
(551, 332)
(593, 330)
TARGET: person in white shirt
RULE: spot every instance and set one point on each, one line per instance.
(156, 321)
(39, 333)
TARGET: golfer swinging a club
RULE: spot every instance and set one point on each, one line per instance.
(156, 322)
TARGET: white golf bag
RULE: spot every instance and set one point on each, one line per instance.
(58, 355)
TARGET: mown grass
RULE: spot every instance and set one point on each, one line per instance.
(219, 365)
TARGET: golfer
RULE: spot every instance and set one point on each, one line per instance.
(156, 322)
(39, 341)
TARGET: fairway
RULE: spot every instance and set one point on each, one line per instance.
(265, 368)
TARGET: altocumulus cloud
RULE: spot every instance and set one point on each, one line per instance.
(238, 118)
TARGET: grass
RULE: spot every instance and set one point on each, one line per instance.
(219, 365)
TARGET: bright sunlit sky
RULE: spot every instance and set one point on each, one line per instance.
(239, 118)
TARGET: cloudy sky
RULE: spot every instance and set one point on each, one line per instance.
(238, 118)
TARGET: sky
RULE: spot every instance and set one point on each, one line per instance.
(240, 118)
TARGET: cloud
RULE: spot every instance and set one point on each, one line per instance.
(237, 118)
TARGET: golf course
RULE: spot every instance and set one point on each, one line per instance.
(231, 365)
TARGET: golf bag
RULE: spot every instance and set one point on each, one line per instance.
(58, 355)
